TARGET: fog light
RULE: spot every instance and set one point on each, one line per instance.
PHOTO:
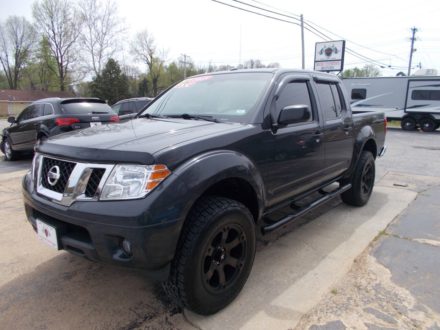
(126, 247)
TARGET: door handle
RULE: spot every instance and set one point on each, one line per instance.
(347, 129)
(317, 136)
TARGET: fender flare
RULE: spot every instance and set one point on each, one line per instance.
(365, 134)
(203, 171)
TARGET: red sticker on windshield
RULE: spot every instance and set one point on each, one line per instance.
(192, 81)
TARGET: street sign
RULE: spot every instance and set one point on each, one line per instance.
(329, 55)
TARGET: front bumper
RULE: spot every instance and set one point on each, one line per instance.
(95, 229)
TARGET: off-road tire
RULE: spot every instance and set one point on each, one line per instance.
(362, 181)
(214, 255)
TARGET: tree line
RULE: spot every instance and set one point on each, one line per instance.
(69, 43)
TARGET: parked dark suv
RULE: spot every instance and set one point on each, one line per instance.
(134, 105)
(52, 116)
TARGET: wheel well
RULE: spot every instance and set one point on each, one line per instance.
(239, 190)
(40, 135)
(370, 145)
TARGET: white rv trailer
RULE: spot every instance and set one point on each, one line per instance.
(414, 101)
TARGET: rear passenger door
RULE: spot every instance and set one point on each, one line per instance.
(338, 128)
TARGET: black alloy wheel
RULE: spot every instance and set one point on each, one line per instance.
(214, 256)
(367, 179)
(362, 181)
(224, 258)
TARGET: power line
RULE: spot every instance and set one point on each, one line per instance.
(310, 23)
(253, 12)
(309, 28)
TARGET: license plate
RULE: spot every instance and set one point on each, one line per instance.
(47, 234)
(95, 123)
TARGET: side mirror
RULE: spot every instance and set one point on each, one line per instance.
(11, 120)
(127, 116)
(294, 114)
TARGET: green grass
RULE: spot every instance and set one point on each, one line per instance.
(393, 123)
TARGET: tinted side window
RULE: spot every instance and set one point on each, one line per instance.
(295, 93)
(336, 97)
(36, 111)
(141, 104)
(327, 101)
(25, 114)
(47, 110)
(126, 107)
(358, 94)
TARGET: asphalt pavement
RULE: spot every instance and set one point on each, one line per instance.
(395, 283)
(375, 267)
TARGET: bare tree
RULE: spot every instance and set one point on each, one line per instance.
(102, 30)
(58, 22)
(145, 50)
(17, 37)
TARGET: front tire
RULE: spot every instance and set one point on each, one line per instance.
(214, 256)
(362, 182)
(7, 150)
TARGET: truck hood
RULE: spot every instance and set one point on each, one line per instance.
(134, 141)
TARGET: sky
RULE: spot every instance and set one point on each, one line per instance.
(210, 32)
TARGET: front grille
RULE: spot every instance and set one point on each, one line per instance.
(84, 179)
(65, 169)
(94, 180)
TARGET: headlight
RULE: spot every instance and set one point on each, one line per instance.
(133, 181)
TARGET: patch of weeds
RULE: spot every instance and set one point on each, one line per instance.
(380, 234)
(334, 291)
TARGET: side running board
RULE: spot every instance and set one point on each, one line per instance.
(291, 217)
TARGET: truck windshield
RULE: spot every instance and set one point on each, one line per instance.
(228, 97)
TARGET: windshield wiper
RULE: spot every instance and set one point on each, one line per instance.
(196, 117)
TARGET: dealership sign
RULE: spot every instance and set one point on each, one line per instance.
(329, 55)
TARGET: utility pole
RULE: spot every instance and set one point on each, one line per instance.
(413, 38)
(184, 62)
(302, 43)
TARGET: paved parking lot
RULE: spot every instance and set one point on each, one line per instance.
(294, 273)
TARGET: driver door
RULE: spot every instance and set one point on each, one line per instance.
(298, 161)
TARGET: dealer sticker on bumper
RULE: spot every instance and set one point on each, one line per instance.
(47, 234)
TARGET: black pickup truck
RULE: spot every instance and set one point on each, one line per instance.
(213, 164)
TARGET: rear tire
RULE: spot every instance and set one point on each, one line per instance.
(362, 181)
(427, 124)
(215, 255)
(408, 123)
